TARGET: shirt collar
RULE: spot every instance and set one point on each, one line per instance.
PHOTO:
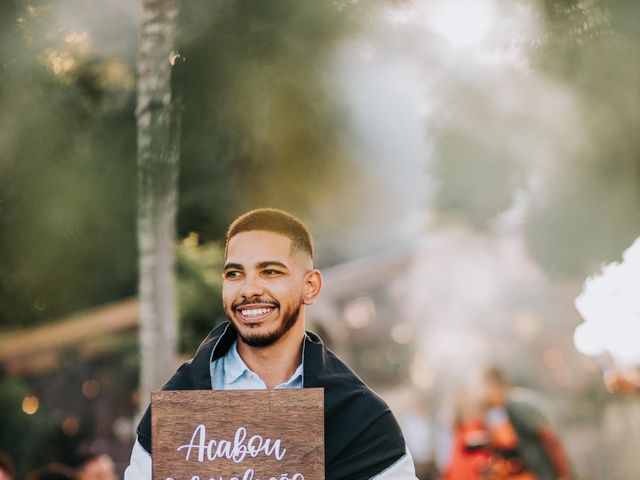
(234, 366)
(294, 378)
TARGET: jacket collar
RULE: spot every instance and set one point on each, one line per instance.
(220, 340)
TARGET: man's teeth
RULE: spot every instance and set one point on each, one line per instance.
(254, 312)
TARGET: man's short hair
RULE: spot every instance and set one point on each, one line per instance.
(275, 221)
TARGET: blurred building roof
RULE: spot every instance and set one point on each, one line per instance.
(38, 349)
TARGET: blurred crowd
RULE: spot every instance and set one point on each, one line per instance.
(86, 466)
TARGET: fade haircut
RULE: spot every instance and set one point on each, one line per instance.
(275, 221)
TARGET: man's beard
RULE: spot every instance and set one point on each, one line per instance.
(289, 319)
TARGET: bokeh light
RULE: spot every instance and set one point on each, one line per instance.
(30, 404)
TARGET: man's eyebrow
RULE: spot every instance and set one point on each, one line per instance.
(271, 263)
(234, 266)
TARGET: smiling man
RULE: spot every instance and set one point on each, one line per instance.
(268, 281)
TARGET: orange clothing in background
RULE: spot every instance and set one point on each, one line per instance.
(469, 457)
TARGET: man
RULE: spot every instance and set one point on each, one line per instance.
(520, 431)
(268, 281)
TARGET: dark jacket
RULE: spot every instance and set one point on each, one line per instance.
(362, 437)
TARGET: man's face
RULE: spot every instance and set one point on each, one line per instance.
(264, 285)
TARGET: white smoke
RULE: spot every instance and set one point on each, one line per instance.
(610, 306)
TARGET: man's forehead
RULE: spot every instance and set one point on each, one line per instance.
(259, 242)
(257, 246)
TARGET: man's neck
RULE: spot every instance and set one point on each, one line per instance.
(274, 364)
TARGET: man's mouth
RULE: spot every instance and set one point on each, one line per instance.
(254, 313)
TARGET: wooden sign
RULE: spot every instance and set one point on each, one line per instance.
(238, 434)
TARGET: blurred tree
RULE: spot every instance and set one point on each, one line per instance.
(261, 126)
(472, 158)
(589, 208)
(199, 270)
(577, 178)
(158, 154)
(67, 180)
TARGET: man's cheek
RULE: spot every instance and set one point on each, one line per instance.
(227, 296)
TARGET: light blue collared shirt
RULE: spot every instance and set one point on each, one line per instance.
(229, 372)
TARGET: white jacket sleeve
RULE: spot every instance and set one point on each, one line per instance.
(140, 464)
(403, 469)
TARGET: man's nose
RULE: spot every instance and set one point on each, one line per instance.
(251, 287)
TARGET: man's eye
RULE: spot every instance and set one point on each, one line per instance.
(232, 274)
(271, 273)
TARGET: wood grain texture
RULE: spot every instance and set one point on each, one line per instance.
(193, 433)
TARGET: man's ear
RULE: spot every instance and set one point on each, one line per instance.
(312, 286)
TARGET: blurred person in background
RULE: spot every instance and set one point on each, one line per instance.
(95, 466)
(7, 468)
(523, 443)
(53, 471)
(469, 452)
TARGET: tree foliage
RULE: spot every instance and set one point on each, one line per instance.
(68, 179)
(576, 164)
(589, 212)
(260, 127)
